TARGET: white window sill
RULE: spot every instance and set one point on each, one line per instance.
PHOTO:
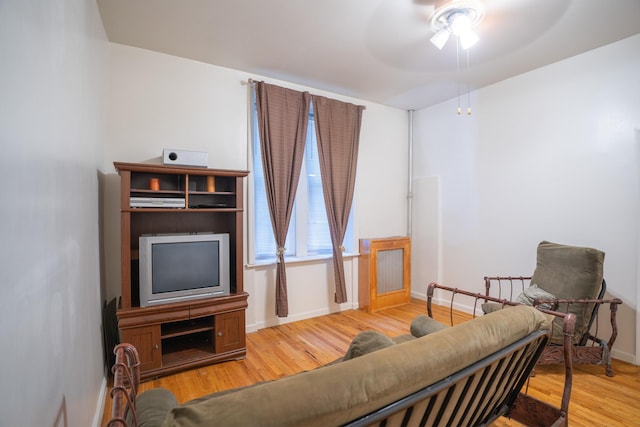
(296, 260)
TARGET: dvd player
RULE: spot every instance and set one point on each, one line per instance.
(156, 202)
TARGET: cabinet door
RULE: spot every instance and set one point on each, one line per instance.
(146, 339)
(230, 331)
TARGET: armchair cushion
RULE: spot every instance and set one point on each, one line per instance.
(570, 272)
(533, 293)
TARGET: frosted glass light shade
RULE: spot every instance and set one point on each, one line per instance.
(468, 39)
(440, 38)
(460, 24)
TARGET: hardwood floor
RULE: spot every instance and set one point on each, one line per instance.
(596, 400)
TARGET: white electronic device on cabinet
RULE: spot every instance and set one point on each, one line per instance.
(175, 157)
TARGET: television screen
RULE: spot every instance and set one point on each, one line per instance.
(185, 265)
(181, 267)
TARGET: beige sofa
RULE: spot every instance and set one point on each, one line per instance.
(469, 374)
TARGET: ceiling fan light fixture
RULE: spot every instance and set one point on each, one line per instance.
(440, 38)
(458, 17)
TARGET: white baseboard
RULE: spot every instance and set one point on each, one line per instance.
(623, 356)
(445, 302)
(97, 417)
(418, 296)
(299, 316)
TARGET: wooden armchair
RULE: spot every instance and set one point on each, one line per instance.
(567, 279)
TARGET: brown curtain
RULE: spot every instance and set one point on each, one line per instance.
(338, 136)
(283, 115)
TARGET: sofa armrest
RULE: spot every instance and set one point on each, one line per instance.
(128, 409)
(126, 379)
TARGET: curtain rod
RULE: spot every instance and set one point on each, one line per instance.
(250, 81)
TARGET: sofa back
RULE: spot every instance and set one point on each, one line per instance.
(474, 396)
(344, 392)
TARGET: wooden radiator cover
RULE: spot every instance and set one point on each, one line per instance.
(384, 273)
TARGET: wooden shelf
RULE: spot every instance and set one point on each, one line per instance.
(156, 192)
(214, 193)
(186, 327)
(176, 352)
(185, 209)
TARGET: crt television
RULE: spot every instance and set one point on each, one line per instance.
(182, 267)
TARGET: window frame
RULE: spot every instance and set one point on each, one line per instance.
(300, 214)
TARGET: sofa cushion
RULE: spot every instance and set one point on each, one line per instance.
(424, 325)
(345, 391)
(366, 342)
(490, 307)
(569, 272)
(403, 338)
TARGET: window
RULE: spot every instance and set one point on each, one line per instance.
(308, 235)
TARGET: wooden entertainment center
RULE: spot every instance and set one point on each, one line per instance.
(157, 199)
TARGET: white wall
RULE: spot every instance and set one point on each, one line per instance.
(547, 155)
(52, 108)
(160, 101)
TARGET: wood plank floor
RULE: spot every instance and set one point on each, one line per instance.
(596, 400)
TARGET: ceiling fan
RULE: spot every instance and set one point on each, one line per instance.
(457, 17)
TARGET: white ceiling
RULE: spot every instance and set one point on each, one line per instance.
(376, 50)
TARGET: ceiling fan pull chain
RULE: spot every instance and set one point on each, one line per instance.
(458, 70)
(468, 86)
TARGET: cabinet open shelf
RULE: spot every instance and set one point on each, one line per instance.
(146, 191)
(194, 347)
(215, 193)
(175, 336)
(186, 327)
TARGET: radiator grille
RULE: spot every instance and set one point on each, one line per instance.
(390, 270)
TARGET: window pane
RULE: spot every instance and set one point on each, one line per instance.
(265, 243)
(318, 235)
